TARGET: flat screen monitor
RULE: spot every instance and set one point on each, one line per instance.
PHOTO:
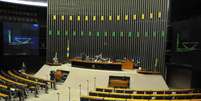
(20, 38)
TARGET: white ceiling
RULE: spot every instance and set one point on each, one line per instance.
(42, 3)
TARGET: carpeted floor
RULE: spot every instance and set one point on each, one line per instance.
(89, 78)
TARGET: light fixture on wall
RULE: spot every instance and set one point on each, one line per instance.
(32, 3)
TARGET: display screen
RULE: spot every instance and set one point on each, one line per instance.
(20, 38)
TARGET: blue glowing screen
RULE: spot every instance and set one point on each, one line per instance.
(21, 38)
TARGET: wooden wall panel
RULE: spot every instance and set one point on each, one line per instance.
(119, 28)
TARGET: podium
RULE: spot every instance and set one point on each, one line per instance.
(119, 81)
(128, 65)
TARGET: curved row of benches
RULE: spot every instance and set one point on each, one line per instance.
(119, 94)
(30, 77)
(17, 83)
(146, 96)
(97, 98)
(135, 91)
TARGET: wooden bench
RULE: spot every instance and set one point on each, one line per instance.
(53, 83)
(17, 83)
(145, 96)
(3, 86)
(28, 76)
(3, 95)
(137, 91)
(97, 98)
(24, 79)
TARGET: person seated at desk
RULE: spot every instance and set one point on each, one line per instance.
(83, 56)
(99, 57)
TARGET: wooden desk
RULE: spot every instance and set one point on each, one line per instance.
(148, 72)
(96, 65)
(119, 81)
(128, 65)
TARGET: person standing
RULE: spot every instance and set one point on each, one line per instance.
(52, 77)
